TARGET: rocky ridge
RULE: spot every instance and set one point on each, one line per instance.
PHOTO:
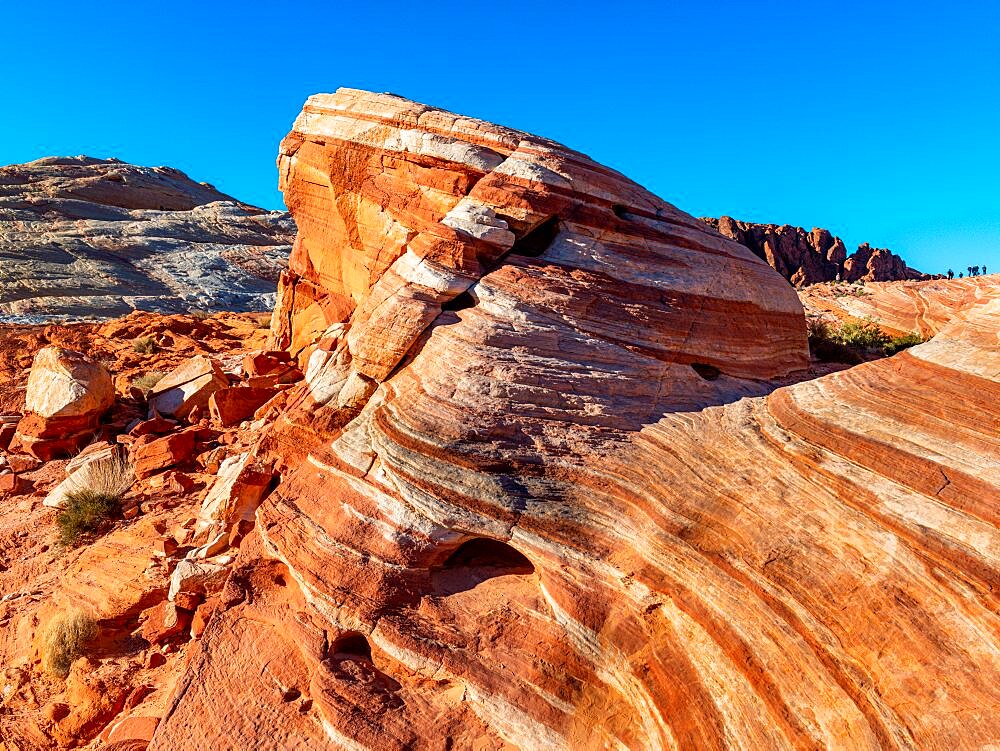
(535, 483)
(93, 238)
(919, 307)
(809, 257)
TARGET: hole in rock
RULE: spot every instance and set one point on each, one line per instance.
(291, 694)
(708, 372)
(351, 644)
(477, 561)
(621, 212)
(538, 240)
(461, 301)
(280, 581)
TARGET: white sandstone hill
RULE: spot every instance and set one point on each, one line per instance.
(98, 238)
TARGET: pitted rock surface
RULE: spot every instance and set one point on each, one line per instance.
(514, 514)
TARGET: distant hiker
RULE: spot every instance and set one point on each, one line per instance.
(951, 274)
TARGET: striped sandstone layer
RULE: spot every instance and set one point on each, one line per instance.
(921, 307)
(514, 521)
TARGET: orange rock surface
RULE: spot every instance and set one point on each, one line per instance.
(560, 476)
(920, 307)
(507, 520)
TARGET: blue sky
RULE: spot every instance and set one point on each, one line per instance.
(879, 121)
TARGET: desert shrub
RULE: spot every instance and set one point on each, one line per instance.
(65, 640)
(86, 512)
(825, 346)
(864, 334)
(144, 345)
(200, 315)
(147, 381)
(98, 500)
(899, 343)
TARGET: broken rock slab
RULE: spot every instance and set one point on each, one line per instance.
(188, 387)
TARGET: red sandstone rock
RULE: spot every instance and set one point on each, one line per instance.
(8, 427)
(157, 425)
(202, 616)
(231, 406)
(805, 258)
(163, 621)
(67, 393)
(267, 363)
(151, 455)
(9, 483)
(133, 728)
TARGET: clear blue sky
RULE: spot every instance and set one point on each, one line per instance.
(877, 120)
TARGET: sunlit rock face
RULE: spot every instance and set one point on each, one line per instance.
(919, 307)
(510, 516)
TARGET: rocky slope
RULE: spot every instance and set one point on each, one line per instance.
(805, 258)
(920, 307)
(92, 238)
(525, 496)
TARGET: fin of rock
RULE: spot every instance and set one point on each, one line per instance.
(504, 518)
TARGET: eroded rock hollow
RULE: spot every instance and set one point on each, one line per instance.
(522, 501)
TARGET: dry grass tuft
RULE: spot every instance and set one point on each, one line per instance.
(147, 381)
(144, 345)
(97, 501)
(65, 640)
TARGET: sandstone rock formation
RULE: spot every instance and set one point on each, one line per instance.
(805, 258)
(92, 238)
(521, 500)
(67, 394)
(503, 520)
(919, 307)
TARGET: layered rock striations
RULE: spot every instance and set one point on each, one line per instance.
(508, 515)
(93, 238)
(919, 307)
(808, 257)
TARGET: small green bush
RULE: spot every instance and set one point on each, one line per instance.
(87, 512)
(65, 640)
(864, 334)
(854, 341)
(144, 345)
(899, 343)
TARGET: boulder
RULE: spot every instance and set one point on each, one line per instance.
(267, 363)
(151, 454)
(67, 394)
(231, 406)
(100, 467)
(198, 577)
(234, 496)
(163, 621)
(187, 388)
(202, 615)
